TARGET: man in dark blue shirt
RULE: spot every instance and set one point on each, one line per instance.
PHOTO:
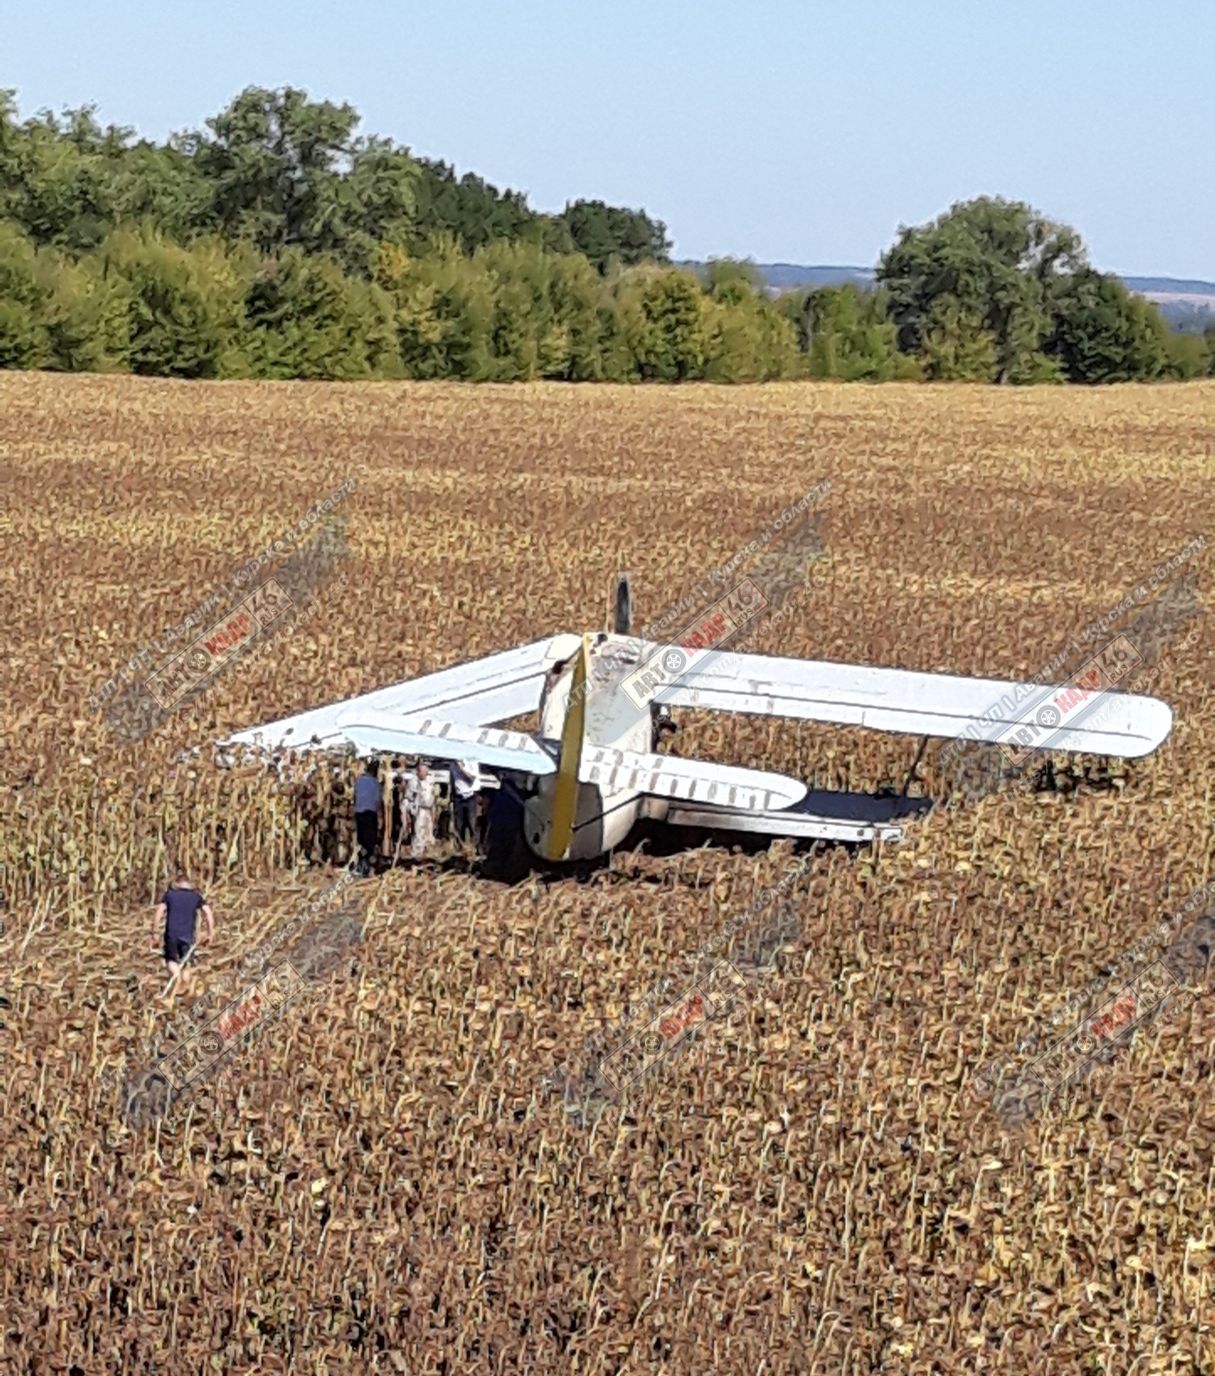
(368, 804)
(178, 910)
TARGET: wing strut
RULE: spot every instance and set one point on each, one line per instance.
(915, 764)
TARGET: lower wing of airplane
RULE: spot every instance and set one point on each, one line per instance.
(821, 815)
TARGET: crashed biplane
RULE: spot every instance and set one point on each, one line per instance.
(592, 768)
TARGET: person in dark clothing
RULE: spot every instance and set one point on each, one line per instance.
(397, 810)
(178, 910)
(504, 846)
(465, 786)
(368, 805)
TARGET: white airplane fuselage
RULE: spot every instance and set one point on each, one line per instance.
(602, 817)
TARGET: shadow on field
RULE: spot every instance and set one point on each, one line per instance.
(509, 861)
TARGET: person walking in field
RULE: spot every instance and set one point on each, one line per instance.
(178, 909)
(368, 805)
(420, 800)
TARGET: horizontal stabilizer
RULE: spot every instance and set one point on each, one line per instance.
(693, 781)
(373, 733)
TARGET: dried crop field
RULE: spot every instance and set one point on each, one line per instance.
(379, 1181)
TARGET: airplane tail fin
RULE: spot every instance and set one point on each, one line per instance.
(622, 606)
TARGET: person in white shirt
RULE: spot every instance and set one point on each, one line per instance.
(420, 803)
(465, 785)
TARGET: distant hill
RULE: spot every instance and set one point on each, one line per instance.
(1172, 286)
(783, 276)
(1187, 303)
(791, 276)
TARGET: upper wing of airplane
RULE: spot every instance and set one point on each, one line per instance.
(1079, 716)
(476, 693)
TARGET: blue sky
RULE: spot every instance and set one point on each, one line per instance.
(800, 132)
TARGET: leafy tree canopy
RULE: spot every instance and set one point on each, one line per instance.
(988, 263)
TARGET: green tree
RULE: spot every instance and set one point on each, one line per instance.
(55, 313)
(957, 346)
(732, 279)
(161, 186)
(467, 209)
(307, 319)
(664, 321)
(56, 175)
(23, 338)
(583, 312)
(749, 338)
(1103, 333)
(184, 307)
(525, 339)
(610, 235)
(1187, 355)
(442, 311)
(377, 203)
(989, 266)
(846, 334)
(285, 171)
(84, 315)
(274, 161)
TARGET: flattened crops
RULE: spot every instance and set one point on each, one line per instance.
(383, 1178)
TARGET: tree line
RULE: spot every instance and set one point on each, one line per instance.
(279, 242)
